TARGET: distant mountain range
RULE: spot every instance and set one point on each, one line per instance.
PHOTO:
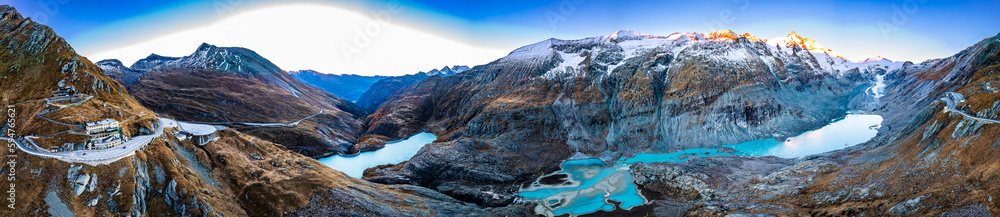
(348, 87)
(448, 71)
(115, 70)
(351, 87)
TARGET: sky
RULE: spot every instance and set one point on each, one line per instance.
(383, 37)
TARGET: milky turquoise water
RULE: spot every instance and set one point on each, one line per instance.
(852, 130)
(393, 153)
(592, 185)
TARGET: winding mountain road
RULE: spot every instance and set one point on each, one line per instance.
(949, 100)
(130, 147)
(290, 124)
(97, 157)
(255, 124)
(62, 107)
(91, 157)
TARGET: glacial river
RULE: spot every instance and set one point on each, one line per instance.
(589, 185)
(393, 153)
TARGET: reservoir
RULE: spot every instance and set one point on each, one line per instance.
(393, 153)
(589, 185)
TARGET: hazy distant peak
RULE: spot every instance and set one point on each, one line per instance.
(448, 71)
(875, 59)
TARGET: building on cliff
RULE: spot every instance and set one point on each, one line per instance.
(64, 94)
(104, 134)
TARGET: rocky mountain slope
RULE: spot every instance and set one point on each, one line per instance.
(236, 175)
(380, 91)
(936, 157)
(36, 63)
(937, 161)
(229, 85)
(610, 96)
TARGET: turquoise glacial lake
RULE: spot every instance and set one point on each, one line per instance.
(589, 185)
(393, 153)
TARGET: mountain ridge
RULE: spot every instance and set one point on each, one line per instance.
(232, 85)
(610, 97)
(237, 60)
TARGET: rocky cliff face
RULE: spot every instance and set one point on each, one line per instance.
(610, 96)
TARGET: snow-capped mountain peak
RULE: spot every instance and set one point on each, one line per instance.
(116, 70)
(570, 53)
(110, 63)
(624, 35)
(205, 46)
(151, 61)
(793, 39)
(627, 35)
(794, 35)
(723, 35)
(234, 60)
(752, 38)
(875, 59)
